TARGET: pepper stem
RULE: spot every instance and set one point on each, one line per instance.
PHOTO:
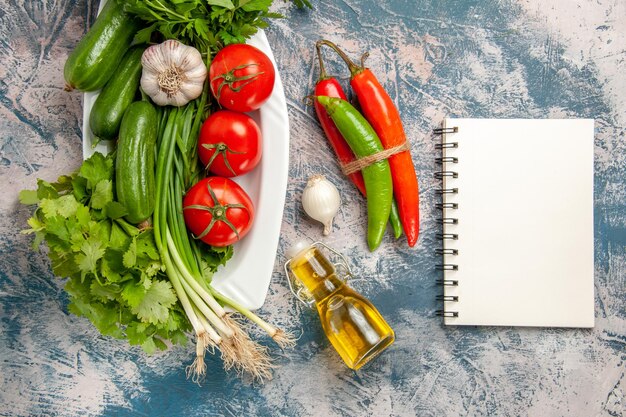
(323, 74)
(354, 68)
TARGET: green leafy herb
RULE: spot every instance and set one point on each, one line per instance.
(113, 269)
(208, 25)
(301, 4)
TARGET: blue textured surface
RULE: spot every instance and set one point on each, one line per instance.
(491, 58)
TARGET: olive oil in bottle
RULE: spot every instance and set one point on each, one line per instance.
(354, 327)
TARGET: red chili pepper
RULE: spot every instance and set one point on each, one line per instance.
(330, 87)
(381, 112)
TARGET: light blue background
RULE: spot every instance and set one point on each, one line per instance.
(436, 58)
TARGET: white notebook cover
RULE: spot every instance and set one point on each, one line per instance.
(525, 222)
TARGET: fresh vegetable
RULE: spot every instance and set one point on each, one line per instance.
(113, 269)
(96, 57)
(173, 73)
(384, 117)
(107, 111)
(230, 143)
(184, 260)
(134, 165)
(321, 201)
(218, 211)
(116, 270)
(394, 219)
(329, 86)
(377, 176)
(241, 77)
(207, 25)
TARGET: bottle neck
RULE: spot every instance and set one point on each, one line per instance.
(326, 288)
(316, 273)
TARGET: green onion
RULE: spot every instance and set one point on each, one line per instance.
(177, 170)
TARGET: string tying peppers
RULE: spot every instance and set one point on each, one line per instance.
(361, 163)
(384, 117)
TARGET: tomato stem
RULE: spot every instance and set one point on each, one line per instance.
(229, 79)
(220, 149)
(218, 213)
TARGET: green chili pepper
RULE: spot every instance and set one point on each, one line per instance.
(364, 142)
(394, 219)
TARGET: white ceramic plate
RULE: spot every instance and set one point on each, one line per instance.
(246, 277)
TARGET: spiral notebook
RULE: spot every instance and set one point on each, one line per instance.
(517, 213)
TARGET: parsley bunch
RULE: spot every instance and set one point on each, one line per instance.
(208, 25)
(114, 270)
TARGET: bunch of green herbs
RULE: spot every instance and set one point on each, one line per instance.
(114, 273)
(207, 25)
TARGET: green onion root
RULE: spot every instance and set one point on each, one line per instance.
(282, 338)
(197, 370)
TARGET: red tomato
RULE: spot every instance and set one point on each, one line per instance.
(218, 211)
(229, 143)
(242, 77)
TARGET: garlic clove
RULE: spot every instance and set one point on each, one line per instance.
(321, 201)
(178, 100)
(188, 62)
(174, 51)
(149, 84)
(196, 74)
(192, 91)
(153, 60)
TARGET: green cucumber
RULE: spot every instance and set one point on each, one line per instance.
(134, 165)
(99, 52)
(107, 112)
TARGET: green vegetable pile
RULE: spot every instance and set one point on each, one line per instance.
(115, 229)
(114, 270)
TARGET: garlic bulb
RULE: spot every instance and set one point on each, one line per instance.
(321, 201)
(173, 73)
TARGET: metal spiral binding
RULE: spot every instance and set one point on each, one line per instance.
(443, 174)
(447, 298)
(440, 174)
(442, 251)
(442, 130)
(448, 282)
(444, 313)
(448, 145)
(447, 267)
(447, 236)
(446, 159)
(443, 191)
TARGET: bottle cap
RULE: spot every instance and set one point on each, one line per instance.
(296, 248)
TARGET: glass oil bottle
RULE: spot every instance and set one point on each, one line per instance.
(352, 324)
